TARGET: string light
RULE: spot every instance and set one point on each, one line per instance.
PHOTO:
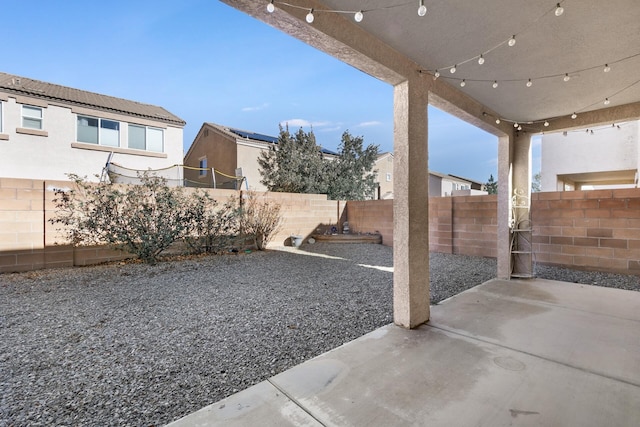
(529, 83)
(606, 68)
(436, 74)
(358, 16)
(566, 77)
(512, 41)
(481, 60)
(463, 83)
(271, 7)
(495, 84)
(546, 123)
(573, 116)
(497, 121)
(606, 101)
(559, 10)
(422, 9)
(453, 69)
(309, 17)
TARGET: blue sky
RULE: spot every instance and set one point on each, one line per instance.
(204, 61)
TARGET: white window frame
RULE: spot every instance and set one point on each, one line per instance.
(23, 116)
(203, 169)
(388, 176)
(99, 142)
(146, 137)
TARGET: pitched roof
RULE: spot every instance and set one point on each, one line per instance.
(259, 137)
(66, 95)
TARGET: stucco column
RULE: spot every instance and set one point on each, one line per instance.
(522, 259)
(410, 204)
(505, 157)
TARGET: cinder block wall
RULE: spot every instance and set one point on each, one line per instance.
(597, 230)
(475, 225)
(372, 216)
(29, 242)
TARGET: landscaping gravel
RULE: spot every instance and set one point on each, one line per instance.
(132, 344)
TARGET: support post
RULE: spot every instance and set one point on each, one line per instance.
(411, 204)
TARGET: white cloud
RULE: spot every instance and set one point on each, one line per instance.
(296, 123)
(368, 124)
(258, 108)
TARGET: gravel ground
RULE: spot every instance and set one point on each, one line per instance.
(131, 344)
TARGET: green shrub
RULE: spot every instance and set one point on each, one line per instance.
(140, 219)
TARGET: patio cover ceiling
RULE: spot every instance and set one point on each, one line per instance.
(578, 43)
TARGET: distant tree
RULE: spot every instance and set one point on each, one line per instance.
(295, 165)
(491, 185)
(352, 176)
(536, 186)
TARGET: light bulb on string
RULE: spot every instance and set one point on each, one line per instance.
(566, 77)
(546, 124)
(358, 16)
(481, 60)
(453, 69)
(463, 83)
(422, 9)
(606, 101)
(512, 41)
(309, 17)
(606, 68)
(574, 115)
(271, 7)
(529, 83)
(497, 121)
(436, 75)
(495, 84)
(515, 125)
(559, 10)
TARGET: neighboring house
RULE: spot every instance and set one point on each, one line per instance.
(441, 185)
(48, 131)
(384, 177)
(231, 153)
(604, 157)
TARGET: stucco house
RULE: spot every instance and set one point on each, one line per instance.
(48, 131)
(384, 177)
(230, 153)
(591, 158)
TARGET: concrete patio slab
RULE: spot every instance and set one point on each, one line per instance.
(504, 353)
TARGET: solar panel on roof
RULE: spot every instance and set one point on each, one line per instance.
(255, 136)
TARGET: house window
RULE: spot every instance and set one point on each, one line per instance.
(98, 131)
(388, 177)
(146, 138)
(31, 117)
(203, 166)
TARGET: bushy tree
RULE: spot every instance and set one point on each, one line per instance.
(295, 165)
(352, 174)
(536, 185)
(140, 219)
(146, 219)
(491, 185)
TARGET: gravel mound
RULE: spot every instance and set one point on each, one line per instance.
(132, 344)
